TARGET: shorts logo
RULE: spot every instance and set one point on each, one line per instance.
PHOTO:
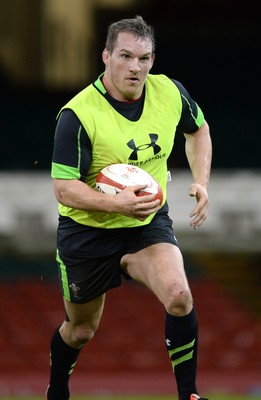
(75, 290)
(153, 140)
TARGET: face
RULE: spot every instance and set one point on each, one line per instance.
(127, 67)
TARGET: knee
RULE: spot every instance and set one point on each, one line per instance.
(178, 299)
(82, 335)
(77, 336)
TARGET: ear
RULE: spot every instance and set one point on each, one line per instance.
(152, 59)
(105, 56)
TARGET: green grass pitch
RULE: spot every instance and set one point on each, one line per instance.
(138, 397)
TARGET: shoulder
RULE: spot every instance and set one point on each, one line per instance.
(183, 91)
(68, 120)
(171, 82)
(82, 101)
(81, 96)
(160, 79)
(163, 85)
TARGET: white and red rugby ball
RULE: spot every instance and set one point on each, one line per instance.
(116, 177)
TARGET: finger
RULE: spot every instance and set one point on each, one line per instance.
(147, 205)
(197, 222)
(194, 212)
(136, 188)
(193, 191)
(200, 217)
(146, 210)
(147, 201)
(143, 214)
(140, 197)
(201, 206)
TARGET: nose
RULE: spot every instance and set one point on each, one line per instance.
(134, 66)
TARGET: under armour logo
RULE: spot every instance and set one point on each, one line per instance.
(153, 140)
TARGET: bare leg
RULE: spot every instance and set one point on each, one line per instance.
(68, 341)
(160, 268)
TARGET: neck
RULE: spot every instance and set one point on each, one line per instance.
(110, 92)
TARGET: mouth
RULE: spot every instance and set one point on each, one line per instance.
(133, 80)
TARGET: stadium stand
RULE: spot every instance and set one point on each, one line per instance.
(130, 337)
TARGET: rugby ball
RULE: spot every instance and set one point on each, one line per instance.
(116, 177)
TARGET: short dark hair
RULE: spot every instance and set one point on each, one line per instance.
(136, 25)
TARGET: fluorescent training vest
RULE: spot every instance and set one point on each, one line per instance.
(146, 143)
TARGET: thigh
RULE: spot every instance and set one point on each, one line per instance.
(82, 321)
(84, 281)
(159, 230)
(88, 313)
(159, 267)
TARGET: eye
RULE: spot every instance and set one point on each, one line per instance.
(145, 58)
(125, 56)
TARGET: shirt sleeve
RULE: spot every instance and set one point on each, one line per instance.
(72, 150)
(192, 117)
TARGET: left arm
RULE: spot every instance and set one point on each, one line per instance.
(199, 155)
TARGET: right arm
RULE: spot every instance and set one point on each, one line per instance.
(69, 176)
(76, 194)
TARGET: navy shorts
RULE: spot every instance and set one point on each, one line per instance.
(89, 258)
